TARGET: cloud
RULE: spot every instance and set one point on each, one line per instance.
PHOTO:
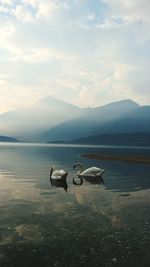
(89, 53)
(22, 13)
(130, 10)
(6, 2)
(39, 55)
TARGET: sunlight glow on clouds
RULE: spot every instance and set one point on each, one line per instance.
(86, 52)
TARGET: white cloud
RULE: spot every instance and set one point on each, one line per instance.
(6, 31)
(6, 2)
(38, 55)
(46, 10)
(4, 9)
(22, 13)
(76, 50)
(131, 10)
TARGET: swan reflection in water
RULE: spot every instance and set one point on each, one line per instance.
(78, 181)
(58, 178)
(59, 183)
(92, 175)
(95, 180)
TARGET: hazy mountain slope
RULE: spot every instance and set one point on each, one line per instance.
(28, 122)
(7, 139)
(85, 124)
(51, 119)
(69, 130)
(132, 139)
(137, 120)
(112, 110)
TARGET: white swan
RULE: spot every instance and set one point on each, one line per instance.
(58, 174)
(92, 172)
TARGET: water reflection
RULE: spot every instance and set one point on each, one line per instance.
(77, 181)
(91, 180)
(38, 221)
(59, 183)
(95, 180)
(32, 163)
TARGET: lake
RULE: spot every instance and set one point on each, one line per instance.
(92, 224)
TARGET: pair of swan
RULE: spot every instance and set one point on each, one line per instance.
(93, 172)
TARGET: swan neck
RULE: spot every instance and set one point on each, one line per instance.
(51, 171)
(80, 166)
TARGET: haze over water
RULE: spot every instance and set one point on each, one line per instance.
(93, 224)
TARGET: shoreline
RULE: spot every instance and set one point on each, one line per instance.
(125, 158)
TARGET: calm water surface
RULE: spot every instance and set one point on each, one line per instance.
(93, 224)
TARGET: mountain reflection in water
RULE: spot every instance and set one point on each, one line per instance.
(93, 224)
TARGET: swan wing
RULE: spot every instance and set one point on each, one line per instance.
(57, 174)
(93, 171)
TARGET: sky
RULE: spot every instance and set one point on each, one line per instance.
(86, 52)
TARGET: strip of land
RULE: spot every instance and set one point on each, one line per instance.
(126, 158)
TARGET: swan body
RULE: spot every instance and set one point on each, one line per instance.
(58, 174)
(94, 172)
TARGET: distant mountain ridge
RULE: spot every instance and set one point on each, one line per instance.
(51, 119)
(29, 122)
(90, 122)
(137, 120)
(129, 139)
(7, 139)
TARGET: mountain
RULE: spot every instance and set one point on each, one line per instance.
(137, 120)
(29, 122)
(90, 122)
(130, 139)
(51, 119)
(7, 139)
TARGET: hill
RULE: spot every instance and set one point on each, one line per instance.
(7, 139)
(129, 139)
(51, 119)
(29, 122)
(137, 120)
(90, 122)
